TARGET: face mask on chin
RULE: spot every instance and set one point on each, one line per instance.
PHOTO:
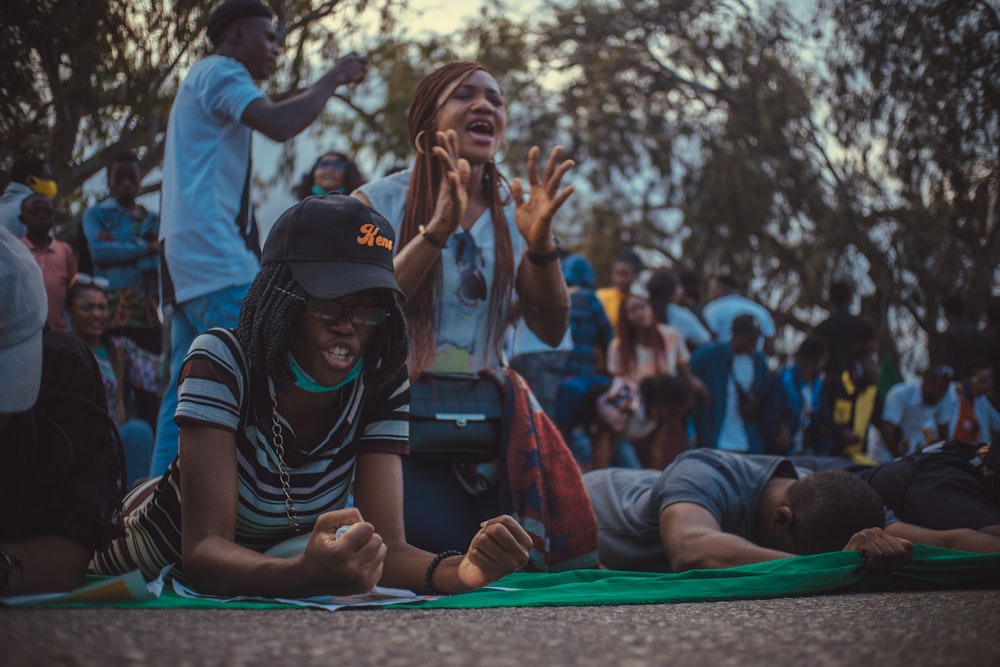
(42, 187)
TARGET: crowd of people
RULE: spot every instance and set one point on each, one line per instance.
(266, 386)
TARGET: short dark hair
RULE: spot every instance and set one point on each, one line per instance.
(829, 507)
(728, 281)
(24, 167)
(664, 389)
(841, 292)
(813, 348)
(691, 283)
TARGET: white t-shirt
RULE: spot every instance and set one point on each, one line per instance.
(720, 313)
(464, 326)
(904, 407)
(205, 164)
(688, 324)
(733, 433)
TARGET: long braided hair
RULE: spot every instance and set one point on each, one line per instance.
(427, 177)
(270, 308)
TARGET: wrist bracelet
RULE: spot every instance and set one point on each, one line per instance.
(429, 575)
(545, 260)
(430, 239)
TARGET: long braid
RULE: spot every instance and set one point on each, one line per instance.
(421, 307)
(266, 315)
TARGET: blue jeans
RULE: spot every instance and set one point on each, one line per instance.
(187, 320)
(137, 438)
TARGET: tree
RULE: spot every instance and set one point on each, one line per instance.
(915, 105)
(95, 77)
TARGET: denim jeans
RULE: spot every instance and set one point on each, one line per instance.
(187, 320)
(137, 438)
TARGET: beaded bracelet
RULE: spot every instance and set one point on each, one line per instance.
(430, 239)
(433, 566)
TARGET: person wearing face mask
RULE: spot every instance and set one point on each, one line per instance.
(54, 257)
(28, 175)
(332, 174)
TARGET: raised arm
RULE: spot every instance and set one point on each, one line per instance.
(280, 121)
(540, 286)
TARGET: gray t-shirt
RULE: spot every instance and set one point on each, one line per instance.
(628, 503)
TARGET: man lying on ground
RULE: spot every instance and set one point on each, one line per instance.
(714, 509)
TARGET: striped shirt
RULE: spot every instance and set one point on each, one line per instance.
(215, 390)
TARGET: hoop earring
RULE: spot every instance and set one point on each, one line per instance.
(416, 143)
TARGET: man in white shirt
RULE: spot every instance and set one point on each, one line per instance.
(725, 304)
(916, 414)
(210, 250)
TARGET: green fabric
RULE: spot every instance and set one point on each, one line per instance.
(931, 567)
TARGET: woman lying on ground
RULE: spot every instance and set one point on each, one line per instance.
(279, 419)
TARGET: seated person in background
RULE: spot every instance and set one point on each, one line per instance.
(712, 509)
(54, 257)
(62, 480)
(915, 414)
(951, 485)
(121, 236)
(850, 406)
(735, 374)
(973, 417)
(644, 348)
(791, 400)
(124, 366)
(281, 418)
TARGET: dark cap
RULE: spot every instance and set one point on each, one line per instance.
(746, 325)
(334, 246)
(233, 10)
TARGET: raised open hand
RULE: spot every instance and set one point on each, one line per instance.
(534, 216)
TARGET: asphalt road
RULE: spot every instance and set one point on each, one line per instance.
(911, 629)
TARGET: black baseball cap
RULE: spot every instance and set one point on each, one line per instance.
(334, 246)
(746, 325)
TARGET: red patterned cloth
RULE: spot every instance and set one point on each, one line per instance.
(541, 481)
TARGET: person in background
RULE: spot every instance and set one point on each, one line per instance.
(332, 174)
(642, 349)
(851, 405)
(121, 236)
(791, 400)
(735, 373)
(725, 303)
(28, 175)
(54, 257)
(541, 365)
(624, 271)
(914, 415)
(663, 289)
(842, 330)
(991, 333)
(973, 417)
(124, 365)
(62, 480)
(961, 341)
(209, 245)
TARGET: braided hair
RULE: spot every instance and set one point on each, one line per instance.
(427, 177)
(274, 300)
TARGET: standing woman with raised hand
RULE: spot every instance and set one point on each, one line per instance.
(472, 250)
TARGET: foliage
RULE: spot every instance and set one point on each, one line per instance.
(95, 77)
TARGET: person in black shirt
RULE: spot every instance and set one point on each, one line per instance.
(62, 478)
